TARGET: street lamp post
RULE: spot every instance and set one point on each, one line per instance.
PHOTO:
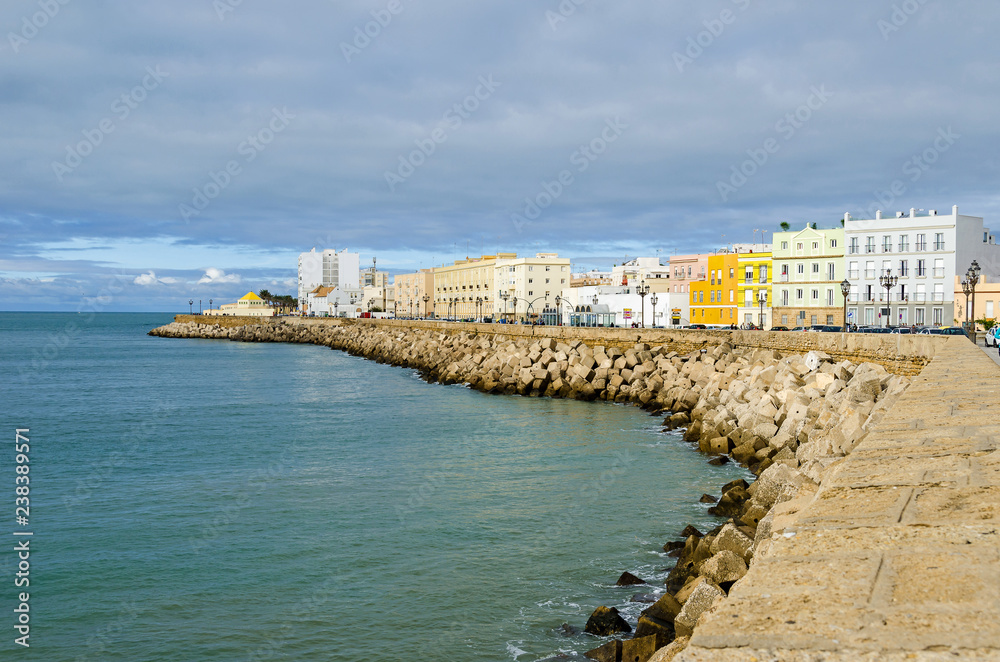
(199, 306)
(336, 306)
(191, 306)
(652, 302)
(973, 277)
(967, 289)
(427, 298)
(888, 281)
(210, 305)
(642, 290)
(505, 296)
(845, 289)
(761, 299)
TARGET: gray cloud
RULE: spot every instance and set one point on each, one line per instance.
(321, 179)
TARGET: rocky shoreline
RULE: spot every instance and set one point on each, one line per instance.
(787, 418)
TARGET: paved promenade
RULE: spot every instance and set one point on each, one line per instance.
(897, 556)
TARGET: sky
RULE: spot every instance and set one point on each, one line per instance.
(159, 152)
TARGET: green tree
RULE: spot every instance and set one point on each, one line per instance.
(812, 225)
(785, 226)
(266, 296)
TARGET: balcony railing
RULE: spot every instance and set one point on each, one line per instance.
(921, 246)
(784, 278)
(938, 297)
(939, 245)
(853, 274)
(939, 272)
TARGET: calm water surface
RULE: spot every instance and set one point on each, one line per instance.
(209, 500)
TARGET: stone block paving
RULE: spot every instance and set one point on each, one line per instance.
(897, 556)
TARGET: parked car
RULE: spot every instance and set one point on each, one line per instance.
(697, 326)
(779, 328)
(831, 328)
(798, 328)
(945, 331)
(900, 329)
(991, 336)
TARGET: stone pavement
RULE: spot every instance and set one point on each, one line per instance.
(897, 555)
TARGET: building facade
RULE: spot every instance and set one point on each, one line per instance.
(923, 252)
(754, 284)
(526, 286)
(465, 288)
(249, 305)
(984, 304)
(410, 290)
(808, 268)
(713, 301)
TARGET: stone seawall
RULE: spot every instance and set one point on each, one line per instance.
(790, 416)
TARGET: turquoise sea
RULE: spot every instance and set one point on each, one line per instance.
(208, 500)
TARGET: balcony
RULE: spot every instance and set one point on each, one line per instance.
(921, 246)
(784, 278)
(939, 272)
(939, 245)
(853, 275)
(938, 297)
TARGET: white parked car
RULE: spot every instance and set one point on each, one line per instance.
(991, 336)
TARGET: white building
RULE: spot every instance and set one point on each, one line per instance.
(925, 251)
(647, 269)
(334, 302)
(326, 268)
(623, 302)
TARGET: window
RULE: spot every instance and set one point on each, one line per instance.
(546, 281)
(732, 273)
(938, 292)
(798, 246)
(904, 243)
(939, 267)
(919, 316)
(815, 295)
(920, 294)
(800, 268)
(530, 280)
(902, 292)
(547, 268)
(798, 294)
(939, 241)
(815, 245)
(921, 268)
(869, 269)
(530, 268)
(870, 245)
(886, 243)
(989, 310)
(853, 247)
(784, 245)
(902, 317)
(869, 316)
(829, 297)
(813, 320)
(711, 296)
(748, 276)
(833, 243)
(748, 298)
(852, 271)
(852, 315)
(869, 292)
(831, 271)
(732, 296)
(530, 293)
(904, 269)
(815, 267)
(829, 319)
(784, 297)
(784, 320)
(921, 243)
(938, 316)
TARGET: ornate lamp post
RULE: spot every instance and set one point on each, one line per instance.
(761, 299)
(972, 275)
(888, 281)
(967, 288)
(210, 305)
(336, 305)
(191, 306)
(652, 301)
(642, 290)
(845, 289)
(426, 299)
(505, 296)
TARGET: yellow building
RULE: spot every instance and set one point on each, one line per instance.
(249, 305)
(466, 289)
(713, 301)
(754, 275)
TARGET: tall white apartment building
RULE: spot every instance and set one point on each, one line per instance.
(925, 251)
(327, 268)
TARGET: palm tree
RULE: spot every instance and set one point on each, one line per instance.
(266, 296)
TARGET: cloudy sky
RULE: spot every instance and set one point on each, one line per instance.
(154, 152)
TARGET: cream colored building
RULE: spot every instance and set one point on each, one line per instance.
(250, 305)
(526, 286)
(410, 291)
(466, 289)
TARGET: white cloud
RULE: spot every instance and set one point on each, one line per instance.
(213, 275)
(146, 279)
